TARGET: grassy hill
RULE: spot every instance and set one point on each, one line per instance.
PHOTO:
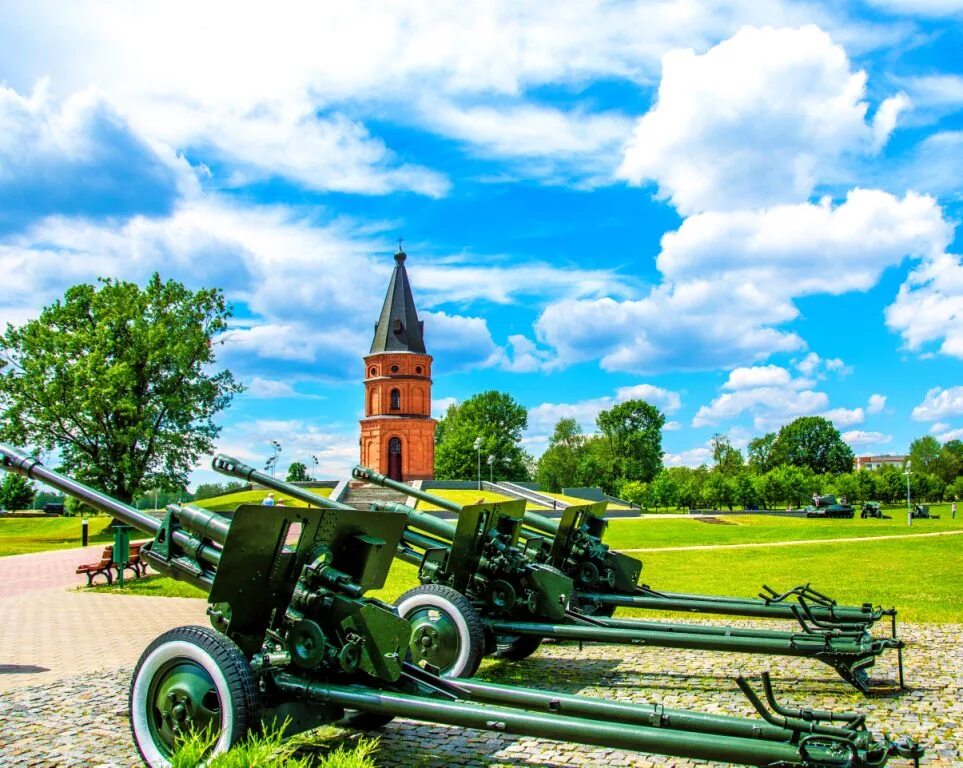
(231, 501)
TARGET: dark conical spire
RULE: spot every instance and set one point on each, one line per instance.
(399, 329)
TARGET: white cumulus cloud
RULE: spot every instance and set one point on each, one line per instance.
(928, 311)
(723, 115)
(757, 376)
(859, 438)
(940, 403)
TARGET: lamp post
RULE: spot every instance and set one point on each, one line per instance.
(909, 511)
(273, 461)
(315, 460)
(491, 469)
(477, 446)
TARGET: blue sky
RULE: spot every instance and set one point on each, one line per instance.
(742, 212)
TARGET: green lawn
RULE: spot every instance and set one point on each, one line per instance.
(463, 498)
(38, 534)
(231, 501)
(923, 577)
(151, 586)
(746, 529)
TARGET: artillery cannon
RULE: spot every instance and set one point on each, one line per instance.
(482, 594)
(295, 640)
(873, 509)
(922, 512)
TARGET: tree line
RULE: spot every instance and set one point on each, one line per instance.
(624, 457)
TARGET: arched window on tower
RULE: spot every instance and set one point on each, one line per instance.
(396, 399)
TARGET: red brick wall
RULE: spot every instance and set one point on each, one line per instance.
(411, 422)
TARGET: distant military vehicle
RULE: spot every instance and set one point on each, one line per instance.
(828, 506)
(873, 509)
(922, 512)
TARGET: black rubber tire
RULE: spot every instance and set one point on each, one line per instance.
(517, 647)
(225, 663)
(450, 601)
(364, 721)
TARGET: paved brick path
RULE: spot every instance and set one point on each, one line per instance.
(49, 631)
(73, 713)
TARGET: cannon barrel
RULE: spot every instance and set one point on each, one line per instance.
(20, 463)
(199, 521)
(232, 467)
(365, 473)
(419, 520)
(532, 520)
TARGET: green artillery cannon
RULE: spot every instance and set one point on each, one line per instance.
(922, 512)
(829, 507)
(606, 579)
(873, 509)
(482, 594)
(295, 640)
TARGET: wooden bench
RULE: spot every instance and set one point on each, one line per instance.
(106, 566)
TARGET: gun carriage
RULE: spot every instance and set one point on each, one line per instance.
(294, 639)
(484, 593)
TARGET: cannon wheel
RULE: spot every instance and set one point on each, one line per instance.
(446, 631)
(516, 647)
(190, 678)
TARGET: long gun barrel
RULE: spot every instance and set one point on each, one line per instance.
(203, 528)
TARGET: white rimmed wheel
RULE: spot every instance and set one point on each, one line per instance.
(190, 678)
(446, 631)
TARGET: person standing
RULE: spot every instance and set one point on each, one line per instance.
(953, 511)
(268, 501)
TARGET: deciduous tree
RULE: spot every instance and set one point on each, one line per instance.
(499, 421)
(121, 380)
(633, 432)
(16, 492)
(813, 442)
(297, 472)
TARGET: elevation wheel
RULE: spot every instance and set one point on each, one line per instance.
(446, 631)
(191, 678)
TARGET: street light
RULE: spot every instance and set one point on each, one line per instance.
(909, 513)
(477, 446)
(491, 469)
(315, 460)
(273, 461)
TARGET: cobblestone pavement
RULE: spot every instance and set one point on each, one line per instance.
(49, 631)
(82, 720)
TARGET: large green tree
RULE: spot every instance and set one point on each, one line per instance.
(727, 458)
(813, 442)
(121, 380)
(498, 420)
(298, 472)
(633, 433)
(559, 465)
(949, 466)
(760, 453)
(16, 492)
(924, 453)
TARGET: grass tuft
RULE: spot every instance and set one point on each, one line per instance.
(270, 750)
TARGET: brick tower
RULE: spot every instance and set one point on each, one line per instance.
(397, 431)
